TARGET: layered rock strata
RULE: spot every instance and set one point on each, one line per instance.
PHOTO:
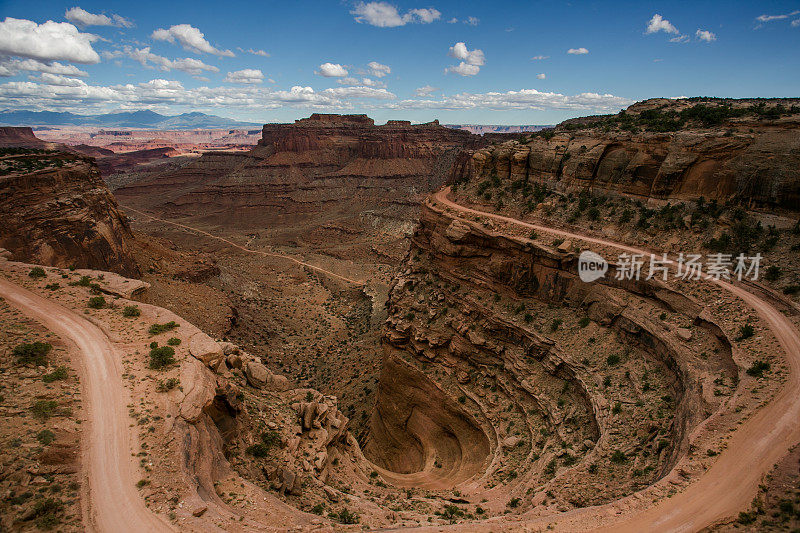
(58, 211)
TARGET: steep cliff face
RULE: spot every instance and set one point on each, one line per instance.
(506, 376)
(57, 211)
(662, 150)
(20, 137)
(322, 162)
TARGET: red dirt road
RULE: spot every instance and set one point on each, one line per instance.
(114, 502)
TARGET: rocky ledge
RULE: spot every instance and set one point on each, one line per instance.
(57, 211)
(742, 150)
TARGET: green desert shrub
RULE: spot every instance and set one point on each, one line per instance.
(174, 341)
(58, 374)
(746, 331)
(269, 439)
(44, 409)
(47, 513)
(161, 356)
(45, 437)
(131, 311)
(618, 457)
(32, 353)
(37, 272)
(167, 385)
(156, 329)
(758, 368)
(346, 516)
(96, 302)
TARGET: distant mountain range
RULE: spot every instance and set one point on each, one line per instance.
(480, 129)
(131, 119)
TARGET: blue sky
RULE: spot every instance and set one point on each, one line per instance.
(467, 62)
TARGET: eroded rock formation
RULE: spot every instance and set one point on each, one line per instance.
(56, 210)
(505, 373)
(752, 157)
(325, 162)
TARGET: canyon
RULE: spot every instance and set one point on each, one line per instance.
(385, 325)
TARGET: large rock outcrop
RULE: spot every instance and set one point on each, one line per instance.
(320, 163)
(662, 150)
(57, 211)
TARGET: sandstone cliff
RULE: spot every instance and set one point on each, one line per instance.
(20, 137)
(56, 210)
(746, 151)
(322, 162)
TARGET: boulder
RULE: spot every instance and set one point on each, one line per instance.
(228, 348)
(202, 347)
(278, 383)
(457, 231)
(257, 374)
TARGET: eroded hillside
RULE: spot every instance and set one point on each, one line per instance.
(58, 211)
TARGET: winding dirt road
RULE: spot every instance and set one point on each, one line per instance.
(114, 502)
(732, 481)
(248, 250)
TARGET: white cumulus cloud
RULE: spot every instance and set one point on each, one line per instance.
(463, 69)
(367, 82)
(705, 35)
(12, 67)
(541, 76)
(81, 17)
(539, 58)
(426, 90)
(57, 79)
(332, 70)
(46, 42)
(247, 76)
(190, 38)
(255, 52)
(659, 23)
(378, 70)
(471, 60)
(73, 95)
(189, 65)
(385, 15)
(578, 51)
